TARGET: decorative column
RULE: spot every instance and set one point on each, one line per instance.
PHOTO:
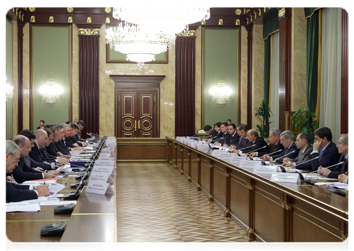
(344, 89)
(185, 84)
(89, 91)
(249, 29)
(20, 26)
(284, 68)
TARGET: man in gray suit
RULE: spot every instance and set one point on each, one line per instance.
(303, 144)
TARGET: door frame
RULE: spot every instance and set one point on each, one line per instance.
(136, 83)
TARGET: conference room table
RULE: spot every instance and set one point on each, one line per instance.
(269, 211)
(91, 220)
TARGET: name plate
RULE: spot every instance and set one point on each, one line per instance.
(225, 156)
(101, 177)
(109, 169)
(194, 144)
(105, 157)
(265, 169)
(99, 188)
(286, 177)
(249, 164)
(216, 153)
(105, 163)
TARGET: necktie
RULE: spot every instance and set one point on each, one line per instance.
(343, 166)
(28, 162)
(244, 142)
(321, 152)
(287, 150)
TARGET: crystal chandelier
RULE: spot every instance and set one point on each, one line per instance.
(139, 46)
(51, 92)
(9, 90)
(221, 93)
(170, 20)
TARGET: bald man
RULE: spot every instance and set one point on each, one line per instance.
(39, 143)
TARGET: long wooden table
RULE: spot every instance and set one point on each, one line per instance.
(269, 211)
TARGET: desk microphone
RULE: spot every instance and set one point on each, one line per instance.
(339, 163)
(284, 155)
(259, 149)
(306, 161)
(280, 150)
(244, 148)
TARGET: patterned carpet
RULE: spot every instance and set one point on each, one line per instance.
(157, 204)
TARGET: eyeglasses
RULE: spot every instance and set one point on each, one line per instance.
(17, 159)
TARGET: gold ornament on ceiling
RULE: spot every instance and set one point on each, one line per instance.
(89, 20)
(70, 19)
(51, 19)
(281, 12)
(238, 12)
(32, 9)
(203, 22)
(108, 10)
(33, 19)
(70, 9)
(221, 21)
(108, 20)
(260, 12)
(238, 22)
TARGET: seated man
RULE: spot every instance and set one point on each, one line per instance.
(234, 137)
(242, 130)
(52, 148)
(224, 134)
(59, 144)
(73, 139)
(81, 126)
(303, 144)
(287, 140)
(35, 164)
(228, 121)
(216, 132)
(39, 143)
(15, 193)
(254, 143)
(324, 148)
(208, 129)
(335, 171)
(48, 157)
(274, 141)
(23, 170)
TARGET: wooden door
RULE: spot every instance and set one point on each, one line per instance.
(137, 113)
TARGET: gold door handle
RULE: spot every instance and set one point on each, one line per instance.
(139, 124)
(135, 125)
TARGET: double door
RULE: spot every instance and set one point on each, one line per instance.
(137, 113)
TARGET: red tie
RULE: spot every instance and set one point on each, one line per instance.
(244, 142)
(345, 161)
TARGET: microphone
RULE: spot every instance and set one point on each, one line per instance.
(285, 155)
(339, 163)
(260, 148)
(244, 148)
(306, 161)
(280, 150)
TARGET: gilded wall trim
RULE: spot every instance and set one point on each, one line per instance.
(88, 32)
(190, 33)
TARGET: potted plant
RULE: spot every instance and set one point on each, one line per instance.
(264, 112)
(303, 121)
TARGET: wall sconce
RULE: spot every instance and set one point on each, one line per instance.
(9, 90)
(221, 93)
(51, 92)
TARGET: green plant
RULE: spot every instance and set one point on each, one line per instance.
(264, 112)
(303, 121)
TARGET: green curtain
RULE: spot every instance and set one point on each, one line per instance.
(270, 26)
(266, 70)
(312, 60)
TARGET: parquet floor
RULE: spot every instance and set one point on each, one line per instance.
(156, 204)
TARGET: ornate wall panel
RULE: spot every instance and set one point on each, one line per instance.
(89, 79)
(185, 86)
(344, 115)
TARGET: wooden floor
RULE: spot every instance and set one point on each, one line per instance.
(155, 203)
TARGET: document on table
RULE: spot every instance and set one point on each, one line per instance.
(339, 185)
(22, 207)
(57, 203)
(316, 176)
(55, 188)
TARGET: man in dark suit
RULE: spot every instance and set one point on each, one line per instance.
(324, 148)
(23, 171)
(208, 129)
(15, 192)
(230, 136)
(216, 132)
(274, 144)
(335, 171)
(254, 143)
(60, 143)
(223, 134)
(287, 139)
(305, 148)
(74, 132)
(242, 130)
